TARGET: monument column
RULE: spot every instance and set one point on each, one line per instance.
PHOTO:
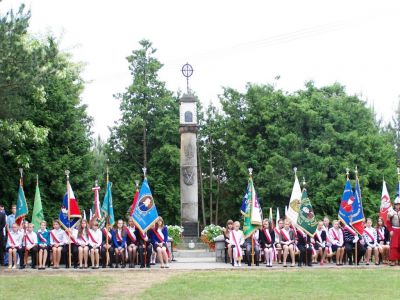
(188, 165)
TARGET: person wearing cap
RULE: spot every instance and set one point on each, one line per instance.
(394, 220)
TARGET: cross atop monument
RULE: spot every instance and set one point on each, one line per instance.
(187, 71)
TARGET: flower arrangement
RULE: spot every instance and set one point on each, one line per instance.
(175, 232)
(209, 233)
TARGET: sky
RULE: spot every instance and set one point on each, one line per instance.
(229, 44)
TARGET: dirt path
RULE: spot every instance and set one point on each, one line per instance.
(128, 285)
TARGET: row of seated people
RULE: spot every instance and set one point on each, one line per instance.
(112, 247)
(286, 242)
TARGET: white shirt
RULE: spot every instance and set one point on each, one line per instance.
(97, 235)
(59, 235)
(336, 236)
(17, 238)
(31, 239)
(367, 237)
(83, 240)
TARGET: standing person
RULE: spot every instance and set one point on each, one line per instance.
(287, 239)
(237, 240)
(43, 237)
(144, 246)
(371, 240)
(278, 245)
(303, 244)
(320, 244)
(159, 239)
(83, 244)
(227, 233)
(11, 217)
(253, 238)
(57, 242)
(95, 239)
(131, 242)
(14, 246)
(336, 237)
(267, 240)
(383, 239)
(107, 251)
(119, 240)
(2, 233)
(394, 219)
(30, 245)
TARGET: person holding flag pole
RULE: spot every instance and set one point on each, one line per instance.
(394, 226)
(253, 215)
(108, 217)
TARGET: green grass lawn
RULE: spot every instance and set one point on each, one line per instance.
(281, 284)
(57, 286)
(218, 284)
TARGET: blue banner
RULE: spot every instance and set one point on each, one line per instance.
(346, 208)
(145, 212)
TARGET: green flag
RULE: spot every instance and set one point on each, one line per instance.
(107, 207)
(37, 214)
(22, 207)
(252, 209)
(306, 219)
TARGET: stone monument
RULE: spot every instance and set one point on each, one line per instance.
(188, 160)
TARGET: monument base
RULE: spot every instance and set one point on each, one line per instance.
(190, 229)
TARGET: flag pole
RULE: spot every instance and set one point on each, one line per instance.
(252, 235)
(69, 220)
(304, 188)
(107, 218)
(356, 245)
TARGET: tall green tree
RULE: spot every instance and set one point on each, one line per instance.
(44, 125)
(321, 131)
(146, 136)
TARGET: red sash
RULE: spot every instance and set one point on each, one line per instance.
(370, 236)
(83, 238)
(236, 244)
(335, 235)
(161, 239)
(131, 237)
(11, 239)
(318, 236)
(27, 238)
(350, 230)
(286, 239)
(91, 237)
(72, 238)
(382, 237)
(107, 234)
(327, 234)
(54, 237)
(119, 237)
(267, 235)
(42, 239)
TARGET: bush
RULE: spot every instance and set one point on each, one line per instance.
(209, 233)
(175, 232)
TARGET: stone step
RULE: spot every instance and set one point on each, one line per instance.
(195, 253)
(185, 246)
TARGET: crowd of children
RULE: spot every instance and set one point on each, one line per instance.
(330, 244)
(88, 245)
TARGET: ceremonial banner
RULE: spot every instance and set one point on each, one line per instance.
(70, 214)
(107, 208)
(145, 212)
(37, 214)
(386, 204)
(244, 201)
(347, 203)
(357, 218)
(253, 212)
(294, 203)
(22, 207)
(306, 220)
(95, 212)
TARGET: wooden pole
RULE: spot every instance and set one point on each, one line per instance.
(252, 248)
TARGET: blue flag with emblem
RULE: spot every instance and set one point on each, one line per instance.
(346, 205)
(145, 211)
